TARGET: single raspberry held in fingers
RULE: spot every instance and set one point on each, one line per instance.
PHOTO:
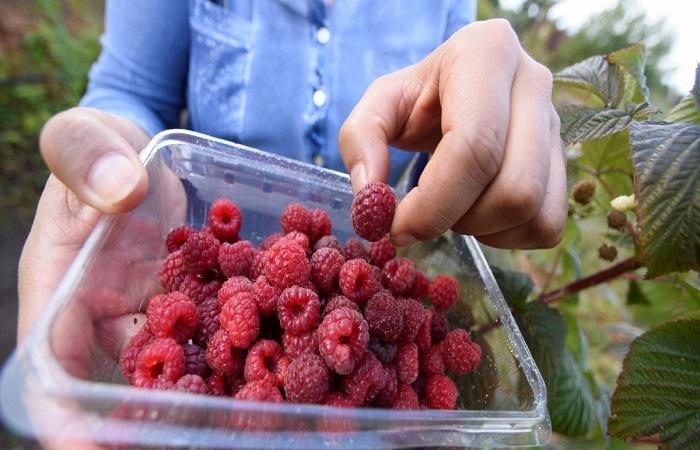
(298, 310)
(259, 391)
(439, 327)
(200, 252)
(225, 220)
(271, 240)
(127, 359)
(266, 296)
(384, 351)
(296, 217)
(191, 383)
(342, 339)
(222, 356)
(431, 362)
(195, 360)
(232, 287)
(413, 315)
(423, 339)
(406, 398)
(398, 275)
(239, 317)
(372, 211)
(262, 362)
(387, 395)
(159, 365)
(298, 238)
(216, 385)
(208, 321)
(325, 267)
(235, 259)
(440, 392)
(384, 317)
(358, 281)
(460, 353)
(307, 379)
(320, 224)
(197, 288)
(286, 265)
(443, 292)
(172, 271)
(338, 301)
(177, 237)
(298, 344)
(331, 242)
(406, 363)
(354, 248)
(420, 288)
(172, 315)
(381, 251)
(366, 381)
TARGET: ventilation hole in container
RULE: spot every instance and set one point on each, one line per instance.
(267, 186)
(336, 203)
(229, 178)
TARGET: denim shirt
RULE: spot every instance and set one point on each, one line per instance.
(278, 75)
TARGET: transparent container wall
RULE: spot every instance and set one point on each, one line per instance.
(66, 381)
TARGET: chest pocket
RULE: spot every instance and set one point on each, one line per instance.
(220, 59)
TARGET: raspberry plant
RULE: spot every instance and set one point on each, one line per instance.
(635, 213)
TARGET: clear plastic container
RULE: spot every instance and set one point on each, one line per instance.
(64, 381)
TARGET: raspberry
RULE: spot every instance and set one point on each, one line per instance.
(257, 266)
(421, 285)
(358, 281)
(386, 396)
(307, 380)
(225, 220)
(320, 224)
(191, 383)
(366, 381)
(297, 344)
(338, 301)
(222, 356)
(460, 354)
(413, 315)
(342, 339)
(440, 392)
(270, 241)
(298, 309)
(298, 238)
(330, 242)
(584, 191)
(406, 363)
(337, 424)
(198, 289)
(235, 384)
(232, 287)
(617, 220)
(296, 217)
(259, 391)
(209, 321)
(354, 248)
(159, 365)
(325, 267)
(200, 252)
(439, 327)
(423, 340)
(443, 292)
(372, 211)
(337, 400)
(265, 296)
(286, 265)
(128, 357)
(262, 362)
(172, 271)
(172, 315)
(239, 317)
(431, 362)
(381, 251)
(384, 351)
(235, 259)
(384, 317)
(406, 398)
(607, 252)
(216, 385)
(195, 360)
(177, 237)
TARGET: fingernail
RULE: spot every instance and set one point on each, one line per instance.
(112, 178)
(358, 176)
(404, 240)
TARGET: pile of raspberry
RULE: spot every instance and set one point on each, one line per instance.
(301, 318)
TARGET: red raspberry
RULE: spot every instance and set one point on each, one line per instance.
(354, 248)
(257, 267)
(159, 365)
(386, 396)
(127, 360)
(384, 317)
(235, 384)
(406, 398)
(420, 287)
(338, 301)
(286, 265)
(307, 380)
(413, 315)
(262, 362)
(331, 242)
(366, 381)
(198, 289)
(423, 340)
(295, 345)
(398, 275)
(336, 424)
(320, 224)
(358, 281)
(239, 317)
(191, 383)
(271, 240)
(384, 351)
(337, 400)
(209, 321)
(298, 309)
(216, 385)
(298, 238)
(225, 220)
(372, 211)
(406, 363)
(296, 217)
(177, 237)
(460, 353)
(200, 252)
(443, 292)
(431, 362)
(342, 339)
(259, 391)
(222, 356)
(172, 271)
(265, 296)
(381, 251)
(439, 327)
(325, 267)
(172, 315)
(195, 360)
(232, 287)
(235, 259)
(440, 392)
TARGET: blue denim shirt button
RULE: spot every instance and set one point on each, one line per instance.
(319, 98)
(323, 35)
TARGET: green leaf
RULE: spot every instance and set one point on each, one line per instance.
(685, 111)
(658, 391)
(631, 61)
(515, 286)
(696, 88)
(609, 158)
(635, 295)
(583, 123)
(571, 405)
(596, 76)
(667, 173)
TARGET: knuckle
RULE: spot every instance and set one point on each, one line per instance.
(485, 146)
(521, 202)
(548, 230)
(542, 73)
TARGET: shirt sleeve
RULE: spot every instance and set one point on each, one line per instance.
(142, 70)
(462, 12)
